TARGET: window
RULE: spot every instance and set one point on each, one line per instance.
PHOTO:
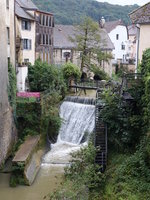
(47, 18)
(50, 22)
(8, 35)
(26, 61)
(47, 39)
(27, 44)
(122, 46)
(50, 40)
(67, 54)
(43, 39)
(7, 4)
(26, 25)
(117, 36)
(43, 20)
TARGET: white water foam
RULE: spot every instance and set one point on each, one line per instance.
(77, 119)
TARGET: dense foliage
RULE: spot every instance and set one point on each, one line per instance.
(123, 119)
(145, 70)
(70, 70)
(99, 74)
(50, 122)
(42, 77)
(128, 176)
(83, 178)
(12, 86)
(71, 11)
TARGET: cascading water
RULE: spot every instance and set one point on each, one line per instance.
(78, 121)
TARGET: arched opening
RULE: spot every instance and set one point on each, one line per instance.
(84, 76)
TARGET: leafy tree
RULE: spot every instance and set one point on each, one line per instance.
(87, 38)
(145, 70)
(70, 70)
(43, 77)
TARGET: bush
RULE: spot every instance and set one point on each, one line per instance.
(43, 77)
(71, 71)
(99, 74)
(123, 119)
(83, 179)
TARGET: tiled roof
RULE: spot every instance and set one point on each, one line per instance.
(20, 12)
(62, 33)
(141, 15)
(27, 4)
(109, 26)
(132, 30)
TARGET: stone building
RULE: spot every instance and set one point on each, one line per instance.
(7, 54)
(34, 38)
(65, 50)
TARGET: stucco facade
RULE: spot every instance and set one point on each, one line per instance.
(7, 53)
(25, 54)
(119, 38)
(144, 39)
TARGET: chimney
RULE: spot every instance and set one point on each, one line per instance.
(102, 22)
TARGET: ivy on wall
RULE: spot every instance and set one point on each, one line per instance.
(12, 88)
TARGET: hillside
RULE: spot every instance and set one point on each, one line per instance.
(70, 11)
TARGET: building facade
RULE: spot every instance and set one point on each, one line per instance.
(65, 50)
(141, 18)
(118, 34)
(7, 55)
(34, 38)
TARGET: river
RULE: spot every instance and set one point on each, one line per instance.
(47, 180)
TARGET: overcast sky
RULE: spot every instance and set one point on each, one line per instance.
(126, 2)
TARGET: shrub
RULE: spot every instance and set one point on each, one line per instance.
(43, 77)
(99, 74)
(83, 179)
(70, 70)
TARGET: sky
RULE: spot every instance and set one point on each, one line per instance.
(126, 2)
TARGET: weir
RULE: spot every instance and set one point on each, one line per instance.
(78, 122)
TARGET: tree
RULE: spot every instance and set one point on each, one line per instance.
(43, 76)
(87, 38)
(88, 42)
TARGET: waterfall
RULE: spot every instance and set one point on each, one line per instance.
(78, 122)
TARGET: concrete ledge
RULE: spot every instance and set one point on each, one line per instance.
(26, 149)
(30, 158)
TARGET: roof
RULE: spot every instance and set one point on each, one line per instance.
(20, 12)
(62, 33)
(27, 4)
(141, 15)
(109, 26)
(132, 29)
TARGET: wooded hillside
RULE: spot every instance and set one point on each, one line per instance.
(70, 11)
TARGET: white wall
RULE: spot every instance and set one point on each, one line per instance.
(22, 73)
(123, 37)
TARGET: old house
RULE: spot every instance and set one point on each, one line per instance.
(34, 38)
(65, 50)
(7, 55)
(141, 18)
(118, 34)
(132, 31)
